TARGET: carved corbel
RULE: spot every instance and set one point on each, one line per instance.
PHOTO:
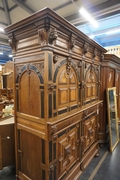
(55, 59)
(102, 56)
(95, 53)
(42, 36)
(12, 43)
(86, 48)
(72, 43)
(53, 35)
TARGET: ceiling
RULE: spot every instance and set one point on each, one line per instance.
(106, 12)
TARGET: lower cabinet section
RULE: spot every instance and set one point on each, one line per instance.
(64, 154)
(7, 143)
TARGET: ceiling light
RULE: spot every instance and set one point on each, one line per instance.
(86, 15)
(113, 31)
(10, 55)
(91, 37)
(1, 29)
(1, 52)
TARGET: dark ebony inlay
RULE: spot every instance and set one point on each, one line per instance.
(62, 111)
(42, 104)
(50, 67)
(50, 151)
(54, 99)
(50, 105)
(43, 151)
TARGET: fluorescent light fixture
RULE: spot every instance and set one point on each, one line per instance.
(1, 29)
(113, 31)
(10, 55)
(87, 15)
(1, 52)
(91, 37)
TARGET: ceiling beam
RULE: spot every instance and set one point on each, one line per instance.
(109, 7)
(2, 9)
(64, 5)
(3, 23)
(5, 5)
(24, 6)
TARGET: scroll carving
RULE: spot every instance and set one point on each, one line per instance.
(12, 43)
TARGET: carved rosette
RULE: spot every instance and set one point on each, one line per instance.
(50, 87)
(12, 43)
(53, 35)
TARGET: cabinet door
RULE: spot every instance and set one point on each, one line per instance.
(90, 132)
(117, 85)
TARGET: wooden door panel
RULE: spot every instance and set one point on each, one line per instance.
(90, 131)
(24, 93)
(31, 155)
(67, 150)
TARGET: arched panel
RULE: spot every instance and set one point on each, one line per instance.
(24, 93)
(67, 87)
(29, 94)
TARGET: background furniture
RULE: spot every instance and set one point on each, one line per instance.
(110, 77)
(57, 97)
(7, 142)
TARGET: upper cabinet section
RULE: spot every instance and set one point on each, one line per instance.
(46, 28)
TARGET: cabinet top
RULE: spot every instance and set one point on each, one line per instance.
(47, 18)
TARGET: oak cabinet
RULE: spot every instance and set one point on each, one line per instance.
(110, 77)
(57, 97)
(7, 143)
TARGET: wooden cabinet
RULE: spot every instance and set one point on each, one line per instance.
(7, 143)
(110, 77)
(57, 97)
